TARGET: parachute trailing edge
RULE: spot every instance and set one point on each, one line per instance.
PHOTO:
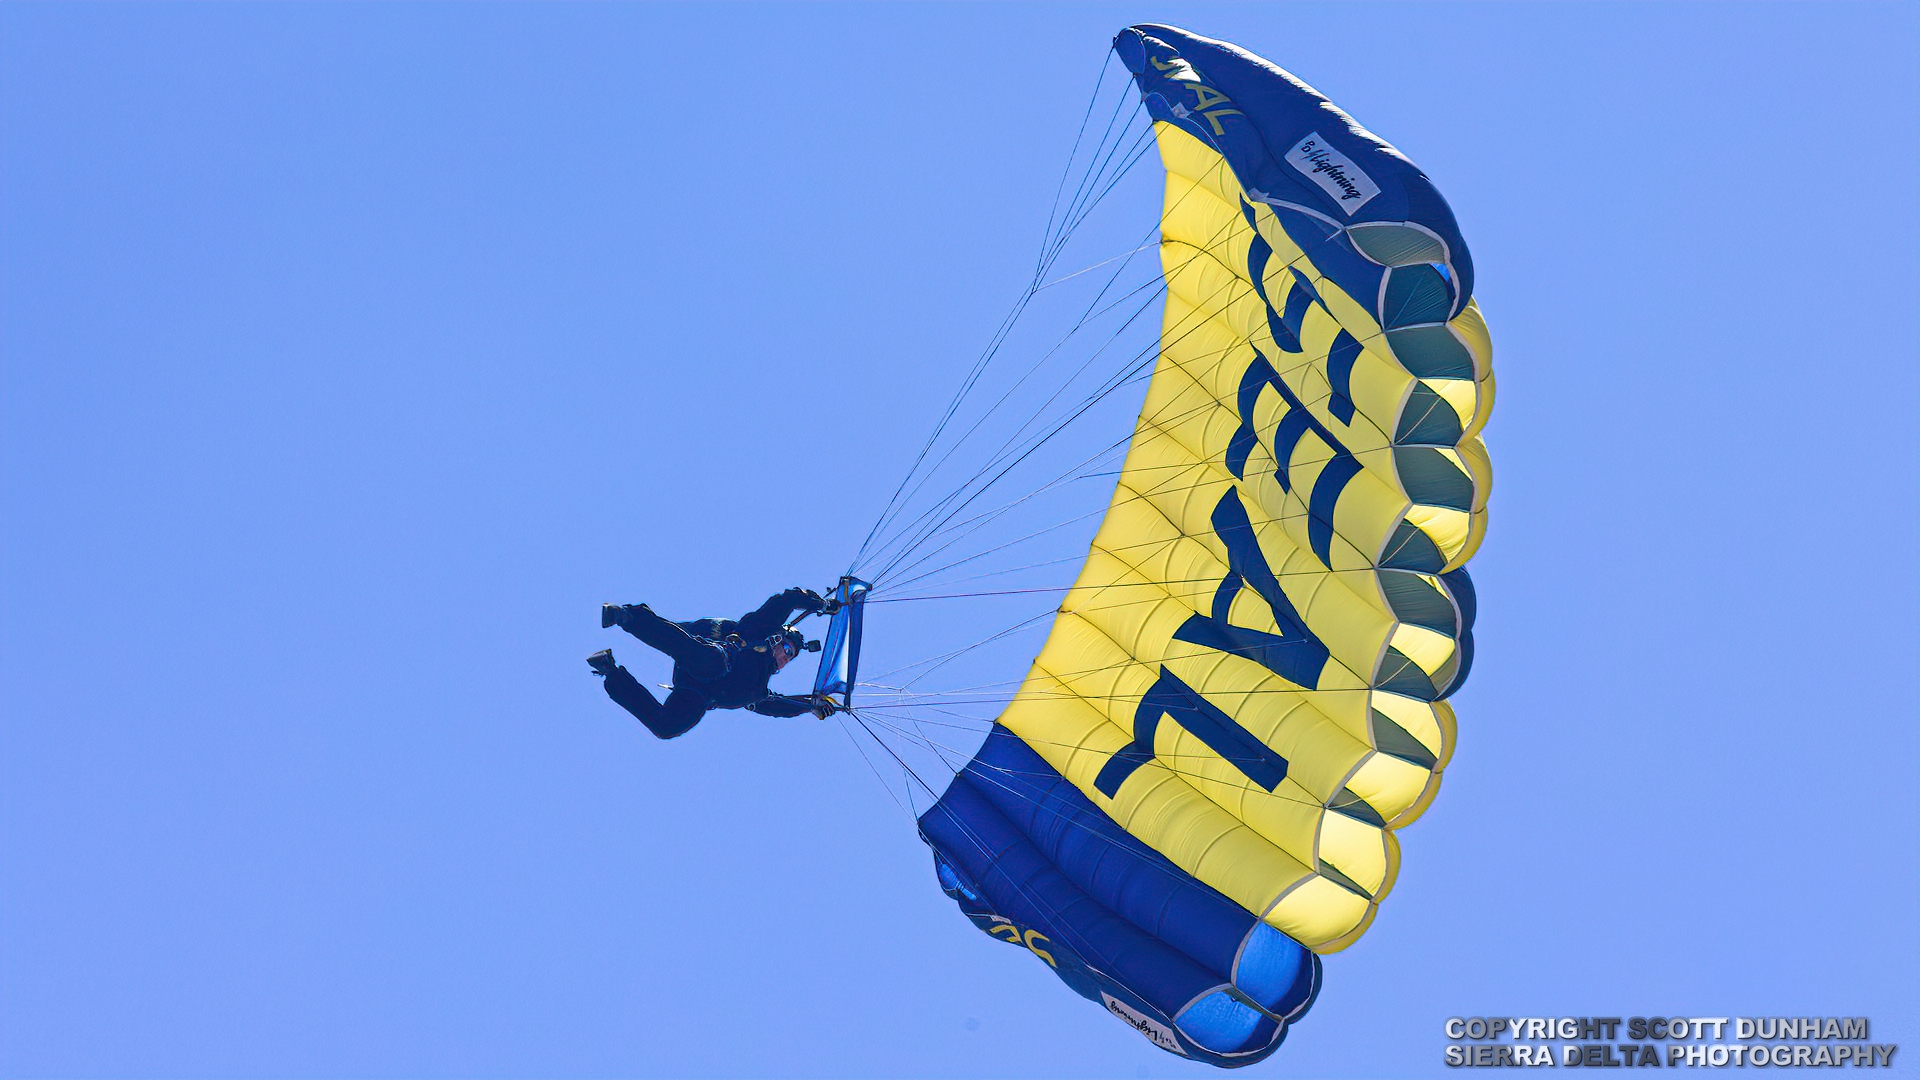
(1194, 793)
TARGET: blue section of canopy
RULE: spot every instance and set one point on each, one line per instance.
(1032, 861)
(1259, 125)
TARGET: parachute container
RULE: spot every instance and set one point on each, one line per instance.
(1193, 795)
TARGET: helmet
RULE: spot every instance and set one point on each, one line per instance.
(796, 640)
(789, 641)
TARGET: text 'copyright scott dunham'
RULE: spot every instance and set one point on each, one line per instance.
(1713, 1042)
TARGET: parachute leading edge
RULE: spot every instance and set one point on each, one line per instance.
(1195, 790)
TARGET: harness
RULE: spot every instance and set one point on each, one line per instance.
(731, 646)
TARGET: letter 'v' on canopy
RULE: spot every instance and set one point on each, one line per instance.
(1194, 793)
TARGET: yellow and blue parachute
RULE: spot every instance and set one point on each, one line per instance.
(1194, 793)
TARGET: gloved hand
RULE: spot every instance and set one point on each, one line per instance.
(824, 707)
(805, 598)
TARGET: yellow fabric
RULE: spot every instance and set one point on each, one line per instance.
(1315, 873)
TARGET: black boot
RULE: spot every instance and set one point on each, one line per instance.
(602, 663)
(609, 615)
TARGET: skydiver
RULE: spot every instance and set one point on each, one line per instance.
(717, 663)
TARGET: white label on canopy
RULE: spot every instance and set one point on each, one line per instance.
(1336, 173)
(1161, 1035)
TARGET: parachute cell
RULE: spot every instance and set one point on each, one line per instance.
(1194, 792)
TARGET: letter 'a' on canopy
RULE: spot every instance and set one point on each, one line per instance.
(1194, 793)
(840, 649)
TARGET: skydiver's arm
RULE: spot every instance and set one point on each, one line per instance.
(772, 615)
(783, 705)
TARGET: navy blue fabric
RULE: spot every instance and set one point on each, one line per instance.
(1340, 360)
(1170, 697)
(1274, 652)
(1238, 449)
(1300, 297)
(1264, 113)
(1020, 882)
(1286, 436)
(682, 710)
(1326, 492)
(1103, 858)
(1461, 669)
(1032, 861)
(767, 619)
(1464, 597)
(1296, 654)
(1257, 375)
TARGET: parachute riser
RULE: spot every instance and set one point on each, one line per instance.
(840, 647)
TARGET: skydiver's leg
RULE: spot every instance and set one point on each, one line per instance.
(669, 637)
(683, 709)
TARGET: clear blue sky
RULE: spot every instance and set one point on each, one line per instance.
(353, 354)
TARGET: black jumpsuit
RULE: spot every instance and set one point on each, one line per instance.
(717, 664)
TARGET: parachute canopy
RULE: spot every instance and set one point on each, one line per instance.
(1193, 795)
